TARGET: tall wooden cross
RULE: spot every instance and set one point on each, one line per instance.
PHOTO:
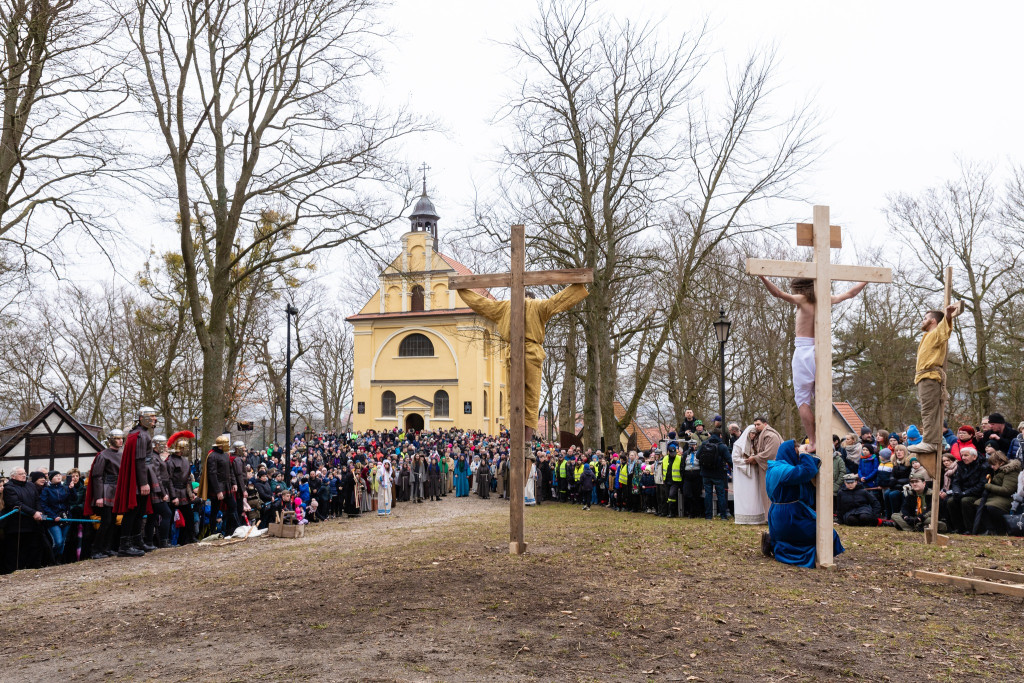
(517, 281)
(821, 236)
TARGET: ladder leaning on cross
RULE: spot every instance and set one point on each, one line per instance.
(821, 236)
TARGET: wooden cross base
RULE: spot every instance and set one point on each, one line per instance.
(516, 548)
(1014, 585)
(933, 538)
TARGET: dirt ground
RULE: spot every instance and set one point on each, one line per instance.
(431, 594)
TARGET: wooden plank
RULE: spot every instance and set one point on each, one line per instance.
(768, 268)
(805, 235)
(861, 274)
(966, 582)
(531, 278)
(517, 394)
(823, 387)
(997, 575)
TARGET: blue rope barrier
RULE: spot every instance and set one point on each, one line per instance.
(3, 517)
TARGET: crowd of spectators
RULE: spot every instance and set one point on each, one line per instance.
(330, 476)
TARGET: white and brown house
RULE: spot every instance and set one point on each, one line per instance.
(53, 439)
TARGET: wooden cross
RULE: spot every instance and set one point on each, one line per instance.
(517, 281)
(821, 236)
(424, 168)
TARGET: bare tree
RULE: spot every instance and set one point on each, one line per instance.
(614, 139)
(959, 224)
(257, 104)
(62, 85)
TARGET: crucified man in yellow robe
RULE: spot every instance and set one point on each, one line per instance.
(538, 313)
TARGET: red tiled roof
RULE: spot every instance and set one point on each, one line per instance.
(643, 442)
(463, 270)
(849, 416)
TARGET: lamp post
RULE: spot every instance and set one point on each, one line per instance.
(289, 312)
(722, 326)
(264, 433)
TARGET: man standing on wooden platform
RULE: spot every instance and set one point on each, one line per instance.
(538, 313)
(931, 384)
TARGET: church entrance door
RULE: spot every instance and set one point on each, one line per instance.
(413, 422)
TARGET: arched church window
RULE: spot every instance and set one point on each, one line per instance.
(441, 403)
(417, 299)
(501, 404)
(415, 344)
(485, 403)
(387, 404)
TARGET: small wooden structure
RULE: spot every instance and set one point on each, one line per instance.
(278, 529)
(822, 236)
(53, 439)
(987, 581)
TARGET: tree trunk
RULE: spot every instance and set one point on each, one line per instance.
(567, 400)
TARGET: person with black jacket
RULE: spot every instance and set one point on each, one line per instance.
(856, 505)
(586, 484)
(967, 487)
(23, 529)
(713, 456)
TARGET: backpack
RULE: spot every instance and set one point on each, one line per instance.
(707, 455)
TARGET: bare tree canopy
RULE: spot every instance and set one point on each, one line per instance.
(258, 105)
(63, 82)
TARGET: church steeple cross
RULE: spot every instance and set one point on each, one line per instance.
(424, 168)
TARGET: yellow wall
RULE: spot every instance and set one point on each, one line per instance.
(460, 364)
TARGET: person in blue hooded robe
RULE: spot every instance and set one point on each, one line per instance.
(791, 520)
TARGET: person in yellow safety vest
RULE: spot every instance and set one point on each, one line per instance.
(577, 477)
(673, 464)
(621, 484)
(563, 480)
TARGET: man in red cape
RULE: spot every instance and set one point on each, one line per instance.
(131, 499)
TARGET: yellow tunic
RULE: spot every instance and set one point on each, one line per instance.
(538, 313)
(931, 352)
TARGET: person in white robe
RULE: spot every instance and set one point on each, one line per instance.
(531, 481)
(749, 507)
(385, 483)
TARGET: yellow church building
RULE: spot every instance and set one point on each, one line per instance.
(423, 359)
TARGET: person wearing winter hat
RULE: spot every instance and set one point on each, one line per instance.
(23, 541)
(915, 514)
(964, 439)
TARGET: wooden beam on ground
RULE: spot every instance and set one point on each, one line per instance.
(976, 585)
(517, 393)
(998, 575)
(531, 278)
(805, 235)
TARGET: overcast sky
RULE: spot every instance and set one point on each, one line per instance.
(903, 87)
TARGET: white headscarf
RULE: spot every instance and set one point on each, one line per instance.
(741, 451)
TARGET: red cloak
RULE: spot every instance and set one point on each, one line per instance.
(125, 497)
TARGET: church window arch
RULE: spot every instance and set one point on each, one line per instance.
(501, 404)
(440, 403)
(414, 345)
(417, 299)
(387, 404)
(485, 403)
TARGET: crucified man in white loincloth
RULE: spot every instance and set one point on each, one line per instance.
(803, 354)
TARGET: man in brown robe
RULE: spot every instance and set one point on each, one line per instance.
(764, 444)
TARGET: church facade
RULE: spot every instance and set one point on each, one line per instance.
(423, 359)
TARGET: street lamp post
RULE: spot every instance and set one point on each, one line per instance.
(264, 433)
(722, 326)
(289, 312)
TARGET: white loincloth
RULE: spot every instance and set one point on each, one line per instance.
(803, 371)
